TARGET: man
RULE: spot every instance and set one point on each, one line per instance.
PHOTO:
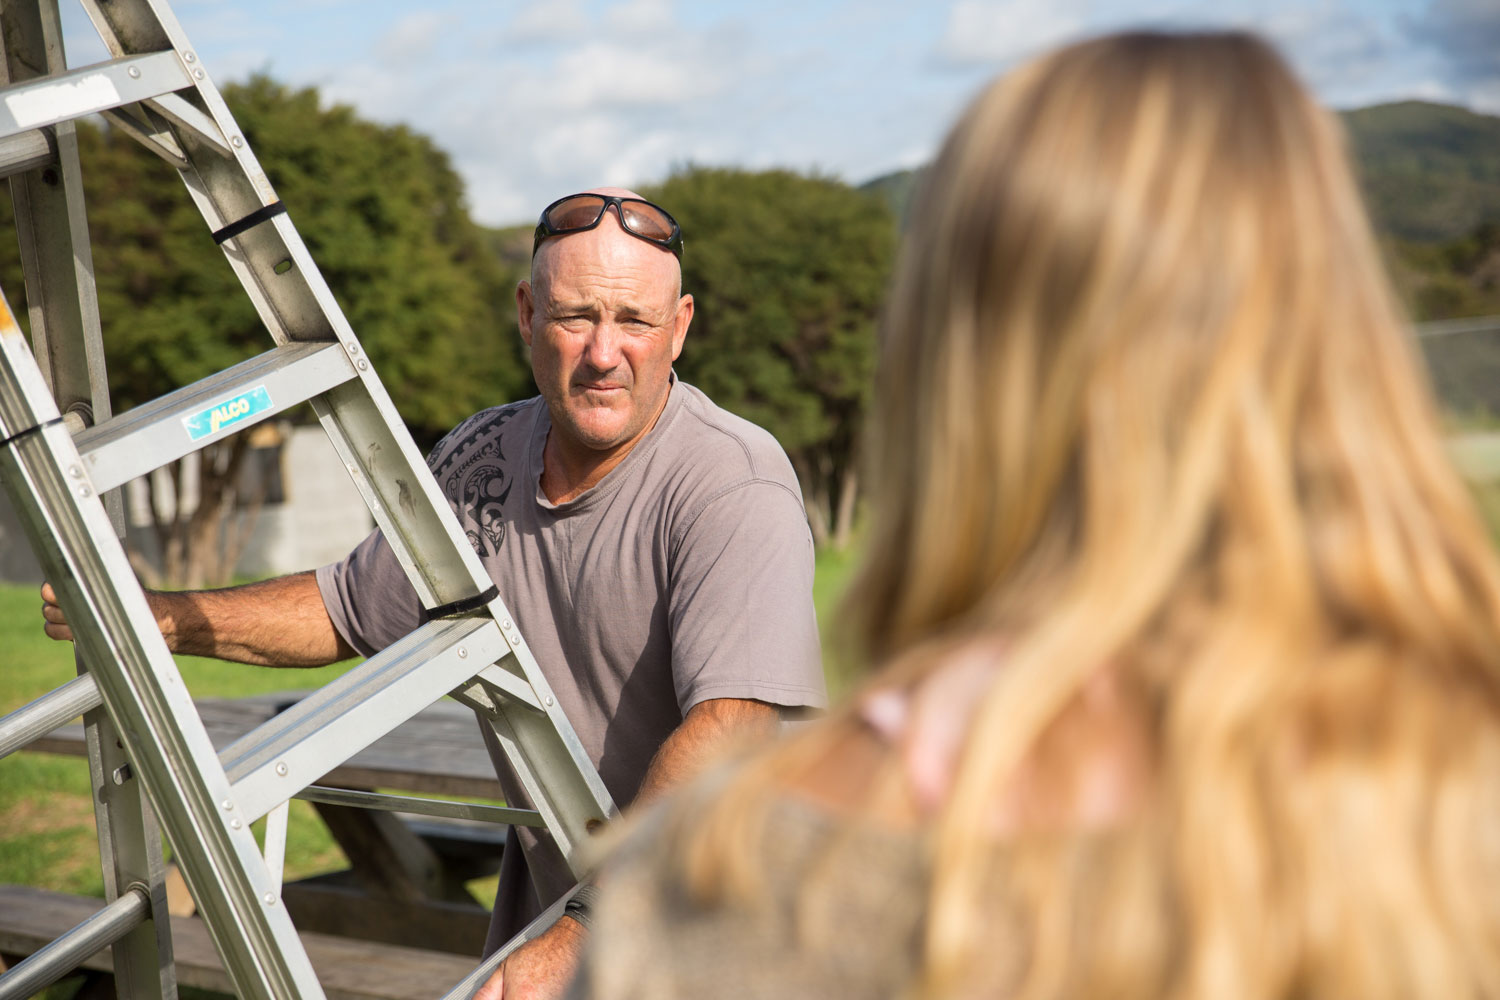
(652, 547)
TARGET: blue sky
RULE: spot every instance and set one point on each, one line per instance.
(540, 98)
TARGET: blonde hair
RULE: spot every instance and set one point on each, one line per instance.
(1145, 400)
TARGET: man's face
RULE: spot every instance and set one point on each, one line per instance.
(604, 320)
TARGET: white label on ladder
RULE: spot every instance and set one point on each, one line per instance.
(65, 100)
(227, 414)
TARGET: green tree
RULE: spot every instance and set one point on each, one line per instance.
(382, 212)
(788, 273)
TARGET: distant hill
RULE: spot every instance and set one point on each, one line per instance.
(1430, 172)
(512, 246)
(896, 189)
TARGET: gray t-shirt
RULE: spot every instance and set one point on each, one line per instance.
(684, 575)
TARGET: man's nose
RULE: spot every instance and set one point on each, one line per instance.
(603, 352)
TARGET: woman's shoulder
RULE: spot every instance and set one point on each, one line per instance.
(836, 909)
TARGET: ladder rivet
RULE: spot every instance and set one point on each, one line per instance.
(364, 365)
(235, 823)
(189, 57)
(84, 491)
(197, 74)
(75, 472)
(237, 142)
(226, 805)
(352, 347)
(135, 72)
(281, 769)
(549, 701)
(463, 654)
(270, 898)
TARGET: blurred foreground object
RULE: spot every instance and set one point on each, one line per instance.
(1190, 633)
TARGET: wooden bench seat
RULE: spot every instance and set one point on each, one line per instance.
(348, 969)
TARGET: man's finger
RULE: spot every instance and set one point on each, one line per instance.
(494, 987)
(56, 623)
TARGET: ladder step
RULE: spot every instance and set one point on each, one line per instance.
(68, 952)
(272, 763)
(25, 151)
(40, 717)
(89, 90)
(420, 806)
(166, 429)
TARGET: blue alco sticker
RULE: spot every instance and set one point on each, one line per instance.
(228, 413)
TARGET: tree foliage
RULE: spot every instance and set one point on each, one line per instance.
(788, 273)
(382, 212)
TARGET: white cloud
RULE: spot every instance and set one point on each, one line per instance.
(1463, 37)
(1340, 51)
(608, 74)
(548, 22)
(528, 122)
(986, 32)
(642, 17)
(416, 37)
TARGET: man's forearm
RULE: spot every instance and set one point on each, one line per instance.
(711, 728)
(280, 623)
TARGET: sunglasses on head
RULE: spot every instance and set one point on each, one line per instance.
(577, 213)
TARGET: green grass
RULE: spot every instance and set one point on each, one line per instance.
(834, 570)
(47, 835)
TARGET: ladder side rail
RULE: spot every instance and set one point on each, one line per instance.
(57, 260)
(542, 746)
(168, 748)
(53, 231)
(295, 303)
(130, 858)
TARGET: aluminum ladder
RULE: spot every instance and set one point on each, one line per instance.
(62, 454)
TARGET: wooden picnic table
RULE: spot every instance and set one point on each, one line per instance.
(406, 875)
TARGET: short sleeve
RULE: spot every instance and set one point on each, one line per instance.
(740, 602)
(368, 596)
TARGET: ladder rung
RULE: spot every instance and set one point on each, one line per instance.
(40, 717)
(421, 807)
(166, 429)
(68, 952)
(89, 90)
(272, 763)
(25, 151)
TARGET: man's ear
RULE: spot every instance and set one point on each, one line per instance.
(680, 324)
(525, 310)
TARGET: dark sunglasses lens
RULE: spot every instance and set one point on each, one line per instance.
(646, 220)
(575, 213)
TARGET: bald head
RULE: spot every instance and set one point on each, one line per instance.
(610, 238)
